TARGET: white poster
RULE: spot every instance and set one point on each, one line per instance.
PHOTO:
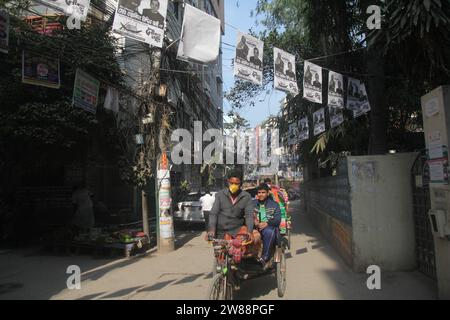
(319, 121)
(141, 20)
(248, 64)
(4, 31)
(200, 36)
(77, 8)
(312, 83)
(293, 134)
(285, 76)
(336, 116)
(304, 129)
(335, 90)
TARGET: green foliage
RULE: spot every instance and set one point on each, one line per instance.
(39, 125)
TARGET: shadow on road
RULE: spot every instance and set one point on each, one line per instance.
(184, 233)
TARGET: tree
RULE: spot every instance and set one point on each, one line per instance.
(414, 33)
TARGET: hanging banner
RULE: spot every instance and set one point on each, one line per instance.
(4, 31)
(364, 105)
(200, 36)
(335, 90)
(112, 100)
(293, 134)
(319, 121)
(357, 100)
(76, 8)
(40, 71)
(142, 21)
(285, 76)
(336, 116)
(248, 64)
(304, 129)
(353, 94)
(312, 83)
(85, 91)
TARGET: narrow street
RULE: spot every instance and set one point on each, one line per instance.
(315, 271)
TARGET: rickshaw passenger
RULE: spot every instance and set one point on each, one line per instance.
(267, 222)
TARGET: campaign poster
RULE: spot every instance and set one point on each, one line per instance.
(335, 90)
(312, 83)
(319, 121)
(76, 8)
(141, 20)
(248, 63)
(284, 72)
(303, 129)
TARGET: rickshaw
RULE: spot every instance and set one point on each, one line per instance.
(234, 264)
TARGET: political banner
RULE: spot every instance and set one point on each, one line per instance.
(141, 20)
(336, 116)
(319, 121)
(248, 64)
(357, 100)
(40, 71)
(76, 8)
(312, 83)
(293, 134)
(304, 129)
(364, 105)
(285, 76)
(335, 90)
(85, 91)
(4, 31)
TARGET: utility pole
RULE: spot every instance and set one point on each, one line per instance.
(164, 218)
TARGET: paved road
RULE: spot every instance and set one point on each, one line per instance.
(314, 271)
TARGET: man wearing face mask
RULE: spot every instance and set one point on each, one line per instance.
(232, 212)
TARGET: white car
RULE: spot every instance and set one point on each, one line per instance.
(190, 210)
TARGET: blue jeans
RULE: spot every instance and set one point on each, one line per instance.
(269, 238)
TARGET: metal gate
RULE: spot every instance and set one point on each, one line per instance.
(421, 201)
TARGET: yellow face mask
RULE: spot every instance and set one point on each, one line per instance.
(234, 188)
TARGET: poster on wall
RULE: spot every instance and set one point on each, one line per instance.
(335, 90)
(4, 31)
(312, 83)
(304, 129)
(85, 91)
(319, 121)
(40, 71)
(248, 63)
(141, 20)
(285, 78)
(77, 8)
(336, 116)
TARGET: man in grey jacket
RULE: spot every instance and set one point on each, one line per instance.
(232, 210)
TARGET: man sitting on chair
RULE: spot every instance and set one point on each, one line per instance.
(267, 222)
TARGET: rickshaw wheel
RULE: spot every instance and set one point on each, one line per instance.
(220, 289)
(281, 274)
